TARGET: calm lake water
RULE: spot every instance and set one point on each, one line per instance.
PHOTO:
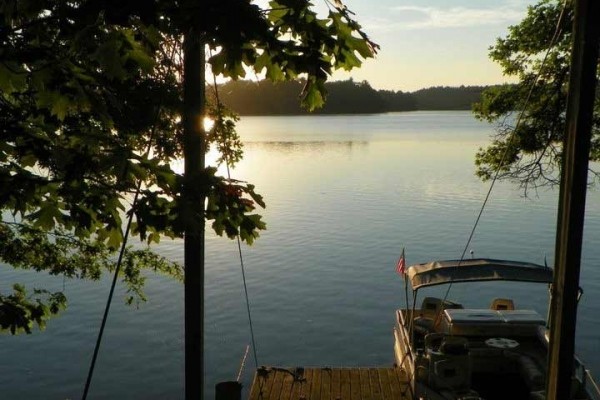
(344, 194)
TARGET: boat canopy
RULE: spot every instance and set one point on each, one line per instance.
(476, 270)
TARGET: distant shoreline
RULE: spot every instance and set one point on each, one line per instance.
(316, 114)
(264, 98)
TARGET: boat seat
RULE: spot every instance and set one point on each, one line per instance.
(433, 341)
(451, 373)
(529, 370)
(431, 307)
(450, 364)
(467, 394)
(502, 304)
(424, 325)
(445, 344)
(454, 345)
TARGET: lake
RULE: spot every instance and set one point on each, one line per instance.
(344, 195)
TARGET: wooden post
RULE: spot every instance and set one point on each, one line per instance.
(582, 85)
(193, 211)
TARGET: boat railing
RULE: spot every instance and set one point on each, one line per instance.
(404, 340)
(587, 380)
(594, 389)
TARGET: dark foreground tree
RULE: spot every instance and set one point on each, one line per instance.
(538, 46)
(90, 114)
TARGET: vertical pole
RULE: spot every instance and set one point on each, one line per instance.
(580, 103)
(192, 209)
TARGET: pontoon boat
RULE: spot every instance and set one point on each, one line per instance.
(452, 352)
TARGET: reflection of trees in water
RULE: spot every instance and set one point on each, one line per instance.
(308, 146)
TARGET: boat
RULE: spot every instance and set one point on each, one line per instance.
(452, 352)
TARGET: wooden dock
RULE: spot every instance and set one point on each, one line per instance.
(274, 383)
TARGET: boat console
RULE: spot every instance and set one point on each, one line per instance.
(491, 323)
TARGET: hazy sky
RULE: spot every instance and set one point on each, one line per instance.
(433, 42)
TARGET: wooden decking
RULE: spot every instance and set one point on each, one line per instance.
(274, 383)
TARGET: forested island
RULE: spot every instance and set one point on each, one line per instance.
(344, 97)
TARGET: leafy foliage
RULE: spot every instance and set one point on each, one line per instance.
(286, 41)
(58, 253)
(532, 155)
(90, 117)
(19, 312)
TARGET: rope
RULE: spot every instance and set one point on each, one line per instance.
(243, 363)
(247, 298)
(557, 32)
(239, 242)
(120, 259)
(109, 300)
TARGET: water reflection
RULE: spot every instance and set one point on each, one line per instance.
(308, 146)
(415, 126)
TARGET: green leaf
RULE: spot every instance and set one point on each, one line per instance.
(11, 82)
(110, 58)
(217, 63)
(115, 238)
(349, 60)
(57, 103)
(236, 70)
(46, 217)
(60, 107)
(277, 14)
(262, 62)
(28, 160)
(137, 53)
(360, 46)
(314, 98)
(275, 72)
(255, 196)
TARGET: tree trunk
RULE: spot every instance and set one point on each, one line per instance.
(571, 213)
(193, 211)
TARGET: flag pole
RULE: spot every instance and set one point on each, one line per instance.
(405, 283)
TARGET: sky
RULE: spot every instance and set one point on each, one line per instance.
(432, 42)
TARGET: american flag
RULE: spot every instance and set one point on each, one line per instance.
(401, 265)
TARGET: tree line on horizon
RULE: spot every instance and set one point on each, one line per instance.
(344, 97)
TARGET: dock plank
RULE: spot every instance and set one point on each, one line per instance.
(375, 384)
(263, 381)
(336, 390)
(384, 381)
(361, 383)
(301, 388)
(355, 384)
(395, 384)
(257, 384)
(277, 384)
(286, 388)
(315, 389)
(326, 384)
(403, 379)
(365, 384)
